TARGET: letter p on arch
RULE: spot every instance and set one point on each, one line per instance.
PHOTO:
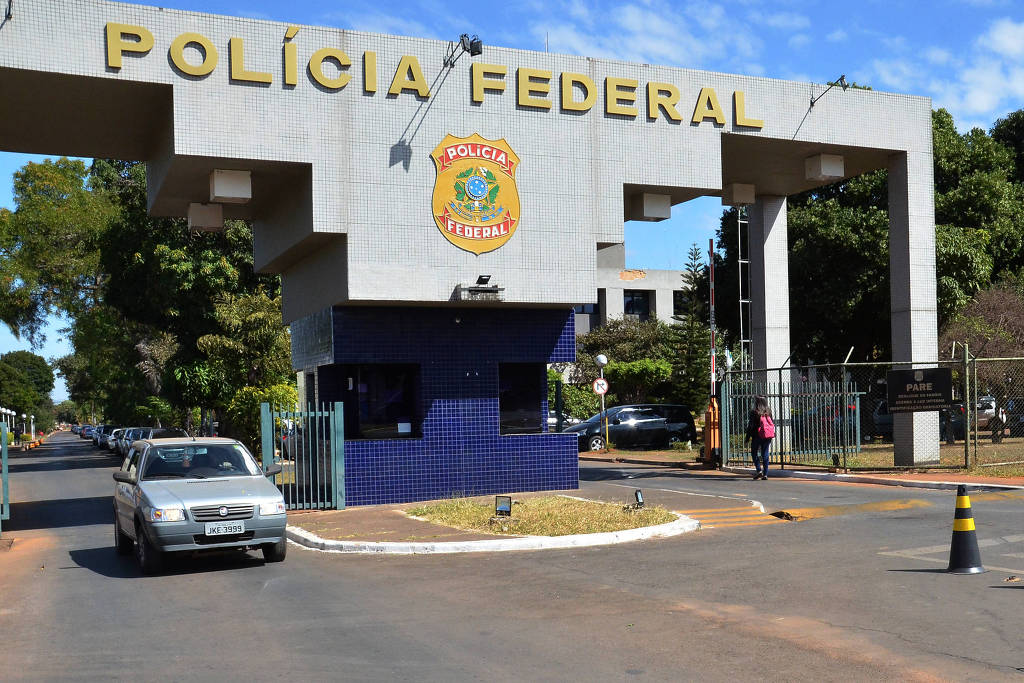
(118, 45)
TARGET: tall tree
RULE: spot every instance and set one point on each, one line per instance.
(48, 245)
(38, 371)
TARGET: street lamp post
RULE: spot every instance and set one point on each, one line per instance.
(602, 361)
(23, 416)
(33, 423)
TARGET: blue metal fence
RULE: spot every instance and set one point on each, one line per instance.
(310, 447)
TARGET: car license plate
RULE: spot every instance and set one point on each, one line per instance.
(224, 528)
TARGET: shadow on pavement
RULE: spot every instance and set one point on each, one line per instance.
(63, 512)
(106, 562)
(78, 463)
(604, 474)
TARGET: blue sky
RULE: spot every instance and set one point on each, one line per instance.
(967, 55)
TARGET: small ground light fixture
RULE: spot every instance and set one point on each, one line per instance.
(638, 504)
(503, 506)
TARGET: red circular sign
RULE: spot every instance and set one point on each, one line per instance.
(600, 386)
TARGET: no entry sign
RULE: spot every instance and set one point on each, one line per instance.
(600, 386)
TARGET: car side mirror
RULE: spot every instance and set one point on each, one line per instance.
(273, 469)
(124, 477)
(616, 421)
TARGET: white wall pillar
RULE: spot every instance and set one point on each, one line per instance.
(769, 282)
(912, 293)
(662, 305)
(613, 304)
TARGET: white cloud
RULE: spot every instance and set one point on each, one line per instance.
(897, 74)
(378, 22)
(653, 32)
(938, 56)
(837, 36)
(1005, 38)
(788, 21)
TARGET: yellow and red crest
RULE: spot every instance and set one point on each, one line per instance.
(476, 201)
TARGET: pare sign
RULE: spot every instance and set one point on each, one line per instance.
(911, 391)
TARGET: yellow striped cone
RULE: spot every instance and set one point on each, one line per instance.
(964, 557)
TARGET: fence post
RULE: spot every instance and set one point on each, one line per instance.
(968, 409)
(723, 417)
(5, 508)
(338, 455)
(267, 433)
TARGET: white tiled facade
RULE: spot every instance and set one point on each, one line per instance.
(352, 224)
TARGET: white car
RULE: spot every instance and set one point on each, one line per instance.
(567, 420)
(187, 495)
(986, 410)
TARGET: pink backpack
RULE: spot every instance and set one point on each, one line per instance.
(766, 430)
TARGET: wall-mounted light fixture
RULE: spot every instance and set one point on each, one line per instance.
(474, 46)
(841, 83)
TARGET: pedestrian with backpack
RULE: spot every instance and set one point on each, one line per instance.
(760, 432)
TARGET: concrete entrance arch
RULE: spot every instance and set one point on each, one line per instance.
(336, 145)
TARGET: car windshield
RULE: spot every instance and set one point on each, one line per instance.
(596, 418)
(199, 461)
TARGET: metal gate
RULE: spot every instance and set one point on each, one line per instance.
(5, 506)
(816, 423)
(310, 447)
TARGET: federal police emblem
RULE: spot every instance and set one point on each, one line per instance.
(476, 201)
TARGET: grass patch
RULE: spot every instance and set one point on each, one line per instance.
(542, 516)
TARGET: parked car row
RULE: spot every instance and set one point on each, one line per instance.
(118, 440)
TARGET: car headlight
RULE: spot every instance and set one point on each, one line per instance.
(167, 515)
(275, 508)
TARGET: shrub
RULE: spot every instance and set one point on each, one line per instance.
(244, 411)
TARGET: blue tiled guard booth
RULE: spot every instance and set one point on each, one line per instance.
(458, 351)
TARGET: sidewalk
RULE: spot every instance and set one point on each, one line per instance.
(930, 479)
(387, 529)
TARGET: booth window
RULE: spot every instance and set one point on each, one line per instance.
(636, 304)
(680, 304)
(522, 389)
(381, 400)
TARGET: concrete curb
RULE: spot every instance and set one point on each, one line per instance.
(868, 479)
(680, 526)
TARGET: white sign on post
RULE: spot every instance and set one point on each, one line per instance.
(600, 386)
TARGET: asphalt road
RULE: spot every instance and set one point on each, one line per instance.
(856, 592)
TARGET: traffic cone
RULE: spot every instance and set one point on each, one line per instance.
(964, 557)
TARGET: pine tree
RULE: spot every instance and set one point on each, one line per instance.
(691, 339)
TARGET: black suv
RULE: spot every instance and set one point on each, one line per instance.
(646, 424)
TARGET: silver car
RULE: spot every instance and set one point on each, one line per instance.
(186, 495)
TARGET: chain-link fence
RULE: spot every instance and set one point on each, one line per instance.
(838, 416)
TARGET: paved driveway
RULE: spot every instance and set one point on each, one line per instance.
(849, 596)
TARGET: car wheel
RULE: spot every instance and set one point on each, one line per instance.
(674, 438)
(150, 559)
(275, 552)
(596, 443)
(122, 541)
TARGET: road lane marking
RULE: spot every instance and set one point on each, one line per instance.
(920, 553)
(752, 514)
